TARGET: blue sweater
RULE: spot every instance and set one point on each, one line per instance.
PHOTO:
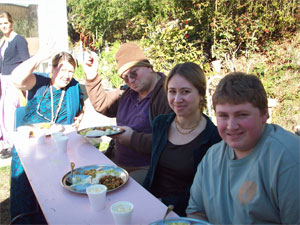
(15, 53)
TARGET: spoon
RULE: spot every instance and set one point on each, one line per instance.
(69, 178)
(170, 208)
(72, 168)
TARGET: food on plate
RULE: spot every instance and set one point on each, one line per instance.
(51, 127)
(91, 172)
(108, 131)
(177, 223)
(109, 128)
(100, 131)
(110, 176)
(111, 182)
(44, 125)
(76, 180)
(95, 133)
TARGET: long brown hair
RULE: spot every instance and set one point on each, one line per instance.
(192, 73)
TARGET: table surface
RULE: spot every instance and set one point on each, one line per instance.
(45, 168)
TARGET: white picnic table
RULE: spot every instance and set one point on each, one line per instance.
(45, 168)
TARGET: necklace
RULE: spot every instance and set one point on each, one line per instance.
(190, 129)
(53, 117)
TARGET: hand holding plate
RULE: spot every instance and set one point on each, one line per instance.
(124, 137)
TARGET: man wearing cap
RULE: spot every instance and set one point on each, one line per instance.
(134, 108)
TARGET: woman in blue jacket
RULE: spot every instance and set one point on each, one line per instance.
(13, 51)
(180, 139)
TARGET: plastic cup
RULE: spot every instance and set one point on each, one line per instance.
(40, 137)
(97, 196)
(57, 134)
(122, 212)
(61, 143)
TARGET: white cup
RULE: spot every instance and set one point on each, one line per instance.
(97, 196)
(61, 143)
(40, 136)
(57, 134)
(122, 212)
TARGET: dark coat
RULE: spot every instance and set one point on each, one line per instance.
(15, 53)
(161, 124)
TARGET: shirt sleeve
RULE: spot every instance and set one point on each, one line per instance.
(289, 195)
(104, 102)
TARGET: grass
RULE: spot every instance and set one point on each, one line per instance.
(4, 194)
(103, 146)
(281, 79)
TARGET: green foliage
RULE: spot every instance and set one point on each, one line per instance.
(79, 73)
(108, 67)
(279, 72)
(240, 27)
(216, 29)
(27, 28)
(103, 20)
(102, 146)
(175, 31)
(167, 44)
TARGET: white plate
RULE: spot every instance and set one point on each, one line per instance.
(103, 169)
(96, 132)
(45, 128)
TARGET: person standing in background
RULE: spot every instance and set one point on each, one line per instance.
(13, 51)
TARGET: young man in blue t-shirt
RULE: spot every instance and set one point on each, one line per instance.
(252, 176)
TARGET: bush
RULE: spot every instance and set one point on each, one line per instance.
(167, 45)
(107, 69)
(107, 66)
(220, 27)
(100, 21)
(79, 73)
(242, 34)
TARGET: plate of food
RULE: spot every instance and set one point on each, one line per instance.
(113, 177)
(96, 132)
(180, 221)
(46, 128)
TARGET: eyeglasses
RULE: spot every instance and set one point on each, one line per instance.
(132, 75)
